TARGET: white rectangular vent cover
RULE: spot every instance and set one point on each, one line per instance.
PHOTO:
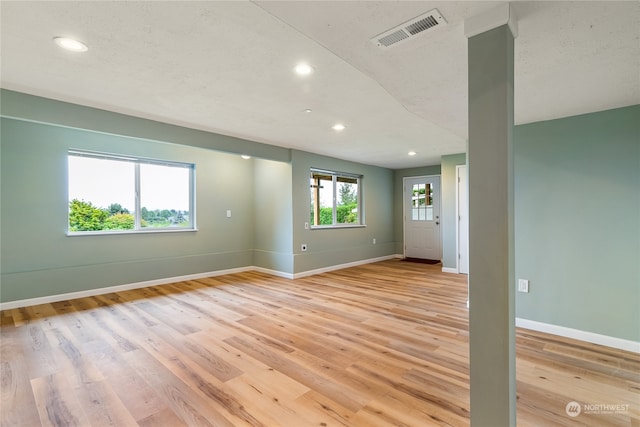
(409, 29)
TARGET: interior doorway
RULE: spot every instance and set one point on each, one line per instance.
(462, 213)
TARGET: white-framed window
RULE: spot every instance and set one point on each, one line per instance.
(109, 193)
(335, 199)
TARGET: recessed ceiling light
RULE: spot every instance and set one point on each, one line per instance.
(70, 44)
(338, 127)
(412, 153)
(244, 156)
(307, 110)
(303, 69)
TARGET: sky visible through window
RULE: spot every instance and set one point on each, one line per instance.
(103, 182)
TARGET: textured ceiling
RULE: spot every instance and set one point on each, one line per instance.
(227, 67)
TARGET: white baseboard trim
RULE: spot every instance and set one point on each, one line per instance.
(126, 287)
(591, 337)
(341, 266)
(106, 290)
(273, 272)
(449, 270)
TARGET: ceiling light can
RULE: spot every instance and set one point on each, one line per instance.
(70, 44)
(303, 69)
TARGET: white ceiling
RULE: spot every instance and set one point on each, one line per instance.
(227, 67)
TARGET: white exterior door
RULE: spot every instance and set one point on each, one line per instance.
(422, 217)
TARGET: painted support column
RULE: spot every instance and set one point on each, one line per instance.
(491, 240)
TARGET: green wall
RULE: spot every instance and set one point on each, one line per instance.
(398, 176)
(577, 221)
(327, 247)
(273, 215)
(448, 208)
(268, 196)
(39, 259)
(37, 109)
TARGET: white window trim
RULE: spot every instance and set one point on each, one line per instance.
(336, 225)
(138, 229)
(143, 231)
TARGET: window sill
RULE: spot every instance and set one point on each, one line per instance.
(336, 227)
(117, 233)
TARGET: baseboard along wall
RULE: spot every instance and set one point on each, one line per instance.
(109, 289)
(577, 334)
(126, 287)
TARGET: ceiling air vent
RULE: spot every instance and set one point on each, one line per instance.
(409, 29)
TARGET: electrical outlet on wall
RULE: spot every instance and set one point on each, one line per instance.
(523, 285)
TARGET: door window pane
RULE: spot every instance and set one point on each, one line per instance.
(422, 202)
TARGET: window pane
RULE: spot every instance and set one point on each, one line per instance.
(164, 196)
(322, 199)
(429, 202)
(417, 201)
(347, 208)
(101, 194)
(313, 219)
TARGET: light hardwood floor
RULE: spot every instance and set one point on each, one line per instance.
(383, 344)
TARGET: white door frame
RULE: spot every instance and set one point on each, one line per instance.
(459, 235)
(404, 210)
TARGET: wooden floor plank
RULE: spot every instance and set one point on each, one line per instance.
(321, 410)
(165, 418)
(186, 403)
(57, 401)
(17, 404)
(383, 344)
(103, 407)
(141, 400)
